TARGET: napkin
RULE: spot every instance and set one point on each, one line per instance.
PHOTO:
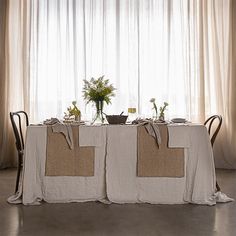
(66, 130)
(51, 121)
(151, 128)
(59, 127)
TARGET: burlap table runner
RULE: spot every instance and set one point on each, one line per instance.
(158, 162)
(62, 161)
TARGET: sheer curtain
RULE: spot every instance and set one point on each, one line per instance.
(179, 51)
(5, 152)
(219, 53)
(14, 39)
(141, 46)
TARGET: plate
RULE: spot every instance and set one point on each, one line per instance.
(179, 120)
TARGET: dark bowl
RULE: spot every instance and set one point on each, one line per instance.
(116, 119)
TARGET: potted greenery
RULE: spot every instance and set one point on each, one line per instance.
(98, 91)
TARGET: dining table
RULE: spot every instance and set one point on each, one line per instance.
(118, 165)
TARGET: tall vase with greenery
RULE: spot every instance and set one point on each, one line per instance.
(161, 109)
(98, 91)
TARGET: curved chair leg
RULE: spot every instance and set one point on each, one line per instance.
(217, 187)
(17, 122)
(18, 173)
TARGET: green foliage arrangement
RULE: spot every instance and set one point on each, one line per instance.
(98, 90)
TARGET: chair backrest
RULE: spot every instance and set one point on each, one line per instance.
(17, 119)
(213, 123)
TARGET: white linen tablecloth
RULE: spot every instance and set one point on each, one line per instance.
(200, 171)
(115, 175)
(123, 184)
(37, 186)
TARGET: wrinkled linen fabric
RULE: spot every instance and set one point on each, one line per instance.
(59, 127)
(17, 197)
(90, 136)
(51, 121)
(31, 185)
(154, 131)
(115, 177)
(151, 128)
(200, 171)
(66, 130)
(222, 197)
(123, 184)
(37, 187)
(197, 186)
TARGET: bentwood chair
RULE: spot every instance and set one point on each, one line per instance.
(19, 120)
(213, 124)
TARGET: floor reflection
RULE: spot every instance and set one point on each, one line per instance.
(15, 216)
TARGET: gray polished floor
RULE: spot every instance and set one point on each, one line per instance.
(128, 219)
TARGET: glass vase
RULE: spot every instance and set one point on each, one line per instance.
(98, 118)
(162, 117)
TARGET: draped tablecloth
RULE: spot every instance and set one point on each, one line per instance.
(115, 171)
(37, 186)
(197, 185)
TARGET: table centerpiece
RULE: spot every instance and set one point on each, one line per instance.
(98, 91)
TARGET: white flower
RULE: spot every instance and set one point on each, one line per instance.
(152, 100)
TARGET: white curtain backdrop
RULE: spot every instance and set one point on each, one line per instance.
(179, 51)
(142, 47)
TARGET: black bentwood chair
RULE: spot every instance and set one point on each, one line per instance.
(213, 124)
(18, 119)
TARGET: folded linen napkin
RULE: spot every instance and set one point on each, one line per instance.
(179, 135)
(51, 121)
(151, 128)
(154, 131)
(59, 127)
(66, 130)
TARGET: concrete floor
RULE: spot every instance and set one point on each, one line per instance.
(129, 219)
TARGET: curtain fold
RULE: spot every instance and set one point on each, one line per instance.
(15, 79)
(225, 149)
(182, 52)
(217, 73)
(6, 137)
